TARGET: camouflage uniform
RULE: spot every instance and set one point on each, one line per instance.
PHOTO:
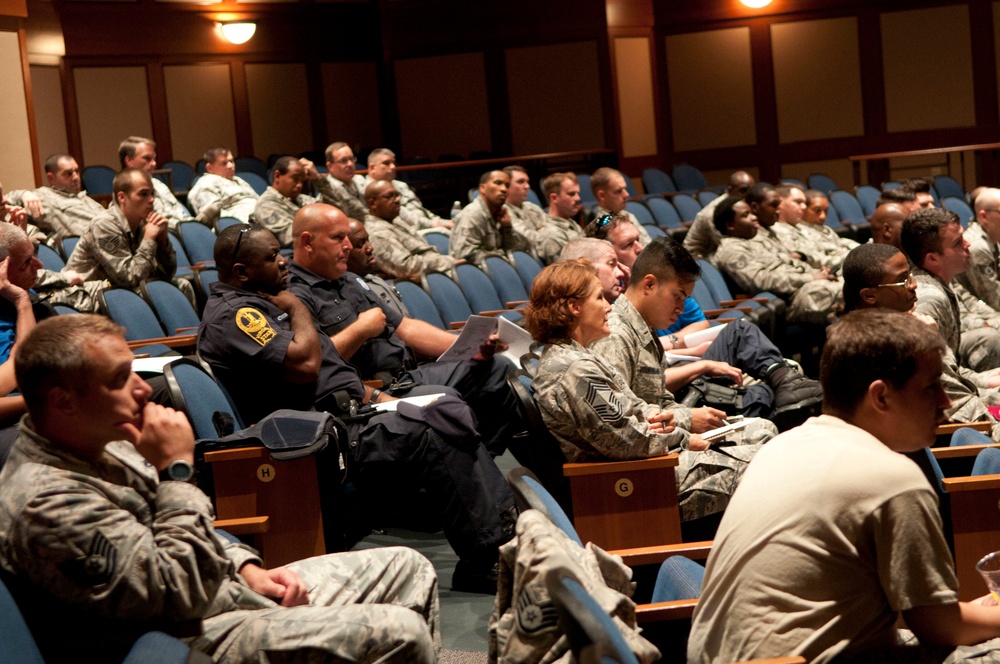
(54, 288)
(101, 552)
(833, 249)
(644, 238)
(212, 188)
(477, 235)
(981, 276)
(413, 216)
(275, 212)
(794, 240)
(762, 264)
(167, 205)
(547, 234)
(401, 254)
(348, 197)
(703, 238)
(588, 407)
(66, 214)
(968, 326)
(969, 398)
(636, 353)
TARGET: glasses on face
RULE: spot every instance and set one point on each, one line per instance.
(391, 196)
(905, 283)
(239, 240)
(346, 160)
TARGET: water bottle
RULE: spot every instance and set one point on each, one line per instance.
(456, 208)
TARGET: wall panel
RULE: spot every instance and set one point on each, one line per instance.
(558, 113)
(636, 110)
(443, 105)
(927, 60)
(112, 103)
(711, 89)
(50, 116)
(815, 100)
(279, 109)
(15, 144)
(350, 93)
(838, 169)
(200, 109)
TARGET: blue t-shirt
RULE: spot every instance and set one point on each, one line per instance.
(692, 314)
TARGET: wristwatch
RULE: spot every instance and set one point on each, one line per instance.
(177, 471)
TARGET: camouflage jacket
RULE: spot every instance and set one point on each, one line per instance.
(762, 264)
(703, 239)
(952, 307)
(348, 197)
(66, 214)
(401, 254)
(413, 216)
(167, 205)
(547, 235)
(215, 189)
(832, 249)
(980, 278)
(276, 211)
(477, 235)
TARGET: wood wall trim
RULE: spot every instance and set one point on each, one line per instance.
(241, 108)
(765, 106)
(158, 113)
(29, 98)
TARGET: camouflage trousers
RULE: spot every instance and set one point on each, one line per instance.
(979, 349)
(706, 480)
(815, 301)
(378, 605)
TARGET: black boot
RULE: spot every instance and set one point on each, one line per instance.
(796, 398)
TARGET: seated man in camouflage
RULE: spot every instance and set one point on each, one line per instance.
(62, 208)
(277, 206)
(982, 234)
(547, 232)
(221, 189)
(413, 216)
(832, 249)
(484, 228)
(105, 536)
(346, 187)
(139, 152)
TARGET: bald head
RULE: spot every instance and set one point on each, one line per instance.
(740, 182)
(320, 240)
(383, 199)
(987, 209)
(887, 222)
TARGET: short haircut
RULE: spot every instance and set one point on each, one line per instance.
(123, 181)
(10, 237)
(785, 189)
(601, 179)
(333, 147)
(758, 193)
(588, 248)
(485, 177)
(225, 245)
(921, 234)
(376, 154)
(864, 267)
(548, 316)
(129, 146)
(212, 154)
(724, 213)
(812, 194)
(917, 185)
(514, 168)
(897, 195)
(666, 260)
(282, 165)
(552, 184)
(869, 345)
(55, 355)
(52, 162)
(601, 232)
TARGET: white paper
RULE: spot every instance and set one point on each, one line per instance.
(153, 365)
(475, 333)
(701, 336)
(674, 358)
(390, 406)
(517, 338)
(721, 432)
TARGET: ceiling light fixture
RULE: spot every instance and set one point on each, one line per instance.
(238, 32)
(756, 4)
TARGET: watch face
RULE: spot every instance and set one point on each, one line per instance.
(180, 471)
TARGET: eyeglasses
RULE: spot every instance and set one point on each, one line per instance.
(899, 284)
(346, 160)
(239, 239)
(391, 196)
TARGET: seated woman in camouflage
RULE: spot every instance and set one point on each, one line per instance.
(589, 408)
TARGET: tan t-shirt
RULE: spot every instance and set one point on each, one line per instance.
(828, 536)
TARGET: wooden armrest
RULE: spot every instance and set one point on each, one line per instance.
(457, 325)
(372, 383)
(601, 467)
(493, 314)
(951, 427)
(514, 304)
(959, 451)
(715, 313)
(653, 555)
(974, 483)
(675, 610)
(251, 525)
(234, 454)
(183, 341)
(733, 303)
(184, 329)
(687, 224)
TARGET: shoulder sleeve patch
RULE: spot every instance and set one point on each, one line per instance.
(255, 325)
(363, 283)
(605, 402)
(110, 243)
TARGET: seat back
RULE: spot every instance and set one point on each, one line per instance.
(448, 298)
(664, 213)
(969, 436)
(250, 165)
(478, 288)
(17, 644)
(439, 241)
(506, 280)
(848, 208)
(196, 394)
(199, 241)
(823, 182)
(833, 217)
(640, 211)
(656, 181)
(533, 197)
(706, 196)
(132, 312)
(69, 244)
(527, 268)
(181, 174)
(703, 296)
(531, 495)
(419, 303)
(948, 186)
(688, 178)
(206, 278)
(987, 462)
(687, 206)
(183, 261)
(891, 184)
(630, 187)
(654, 231)
(97, 180)
(258, 183)
(868, 197)
(171, 305)
(51, 260)
(593, 637)
(225, 222)
(959, 207)
(587, 197)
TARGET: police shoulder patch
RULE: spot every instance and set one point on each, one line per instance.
(363, 283)
(605, 402)
(255, 325)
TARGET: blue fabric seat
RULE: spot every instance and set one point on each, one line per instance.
(419, 303)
